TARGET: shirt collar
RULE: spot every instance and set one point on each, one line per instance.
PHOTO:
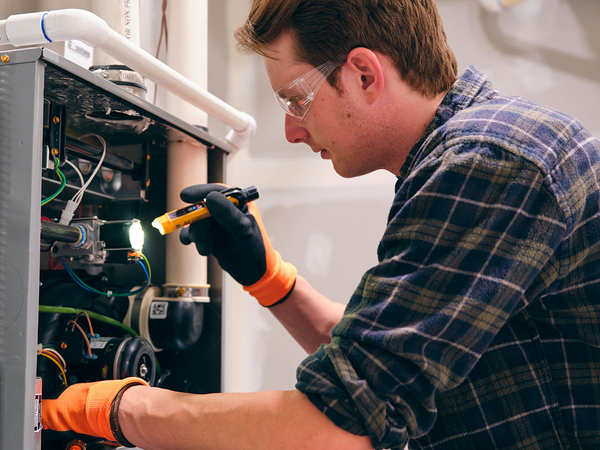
(469, 88)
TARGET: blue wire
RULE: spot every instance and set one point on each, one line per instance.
(147, 279)
(72, 276)
(80, 283)
(68, 269)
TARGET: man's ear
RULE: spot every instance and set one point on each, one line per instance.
(365, 67)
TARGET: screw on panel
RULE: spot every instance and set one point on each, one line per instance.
(55, 119)
(76, 445)
(54, 152)
(5, 58)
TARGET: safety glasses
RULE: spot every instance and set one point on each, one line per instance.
(296, 97)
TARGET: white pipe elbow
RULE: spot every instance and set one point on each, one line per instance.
(46, 26)
(66, 24)
(240, 139)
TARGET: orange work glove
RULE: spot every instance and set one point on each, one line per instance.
(237, 238)
(89, 408)
(280, 276)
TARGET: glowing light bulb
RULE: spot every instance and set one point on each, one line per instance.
(136, 235)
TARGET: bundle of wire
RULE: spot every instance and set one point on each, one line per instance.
(88, 288)
(73, 204)
(56, 358)
(63, 182)
(53, 355)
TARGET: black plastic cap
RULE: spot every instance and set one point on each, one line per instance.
(251, 193)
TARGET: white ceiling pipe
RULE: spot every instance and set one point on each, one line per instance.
(67, 24)
(123, 16)
(187, 21)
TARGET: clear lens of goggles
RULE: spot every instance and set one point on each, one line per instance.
(296, 97)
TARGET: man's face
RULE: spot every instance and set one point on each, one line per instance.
(332, 125)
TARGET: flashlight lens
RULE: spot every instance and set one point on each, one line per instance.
(136, 235)
(156, 224)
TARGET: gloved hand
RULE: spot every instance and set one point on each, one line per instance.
(89, 408)
(237, 238)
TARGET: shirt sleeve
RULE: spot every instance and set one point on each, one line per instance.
(467, 236)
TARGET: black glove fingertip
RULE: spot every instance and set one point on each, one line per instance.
(184, 236)
(198, 192)
(191, 194)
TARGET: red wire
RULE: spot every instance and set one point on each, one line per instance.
(52, 266)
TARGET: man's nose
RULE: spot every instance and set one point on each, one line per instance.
(294, 130)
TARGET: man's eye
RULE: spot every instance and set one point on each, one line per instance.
(295, 106)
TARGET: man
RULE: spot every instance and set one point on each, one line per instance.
(479, 326)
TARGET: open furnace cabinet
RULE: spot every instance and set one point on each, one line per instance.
(45, 99)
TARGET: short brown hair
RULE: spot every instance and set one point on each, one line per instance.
(409, 32)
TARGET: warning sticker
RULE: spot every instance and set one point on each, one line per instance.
(99, 342)
(158, 310)
(37, 421)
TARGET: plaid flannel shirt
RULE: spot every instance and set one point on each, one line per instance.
(479, 328)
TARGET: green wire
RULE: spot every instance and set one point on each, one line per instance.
(93, 315)
(63, 181)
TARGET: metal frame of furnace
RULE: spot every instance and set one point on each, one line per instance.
(27, 76)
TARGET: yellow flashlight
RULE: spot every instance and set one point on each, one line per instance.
(179, 218)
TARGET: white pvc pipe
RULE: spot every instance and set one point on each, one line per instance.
(123, 16)
(187, 21)
(67, 24)
(140, 61)
(186, 160)
(186, 166)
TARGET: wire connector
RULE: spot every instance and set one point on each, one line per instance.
(68, 212)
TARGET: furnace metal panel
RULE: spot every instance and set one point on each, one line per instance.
(21, 115)
(26, 77)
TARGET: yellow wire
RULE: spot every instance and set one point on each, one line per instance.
(58, 356)
(59, 366)
(52, 356)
